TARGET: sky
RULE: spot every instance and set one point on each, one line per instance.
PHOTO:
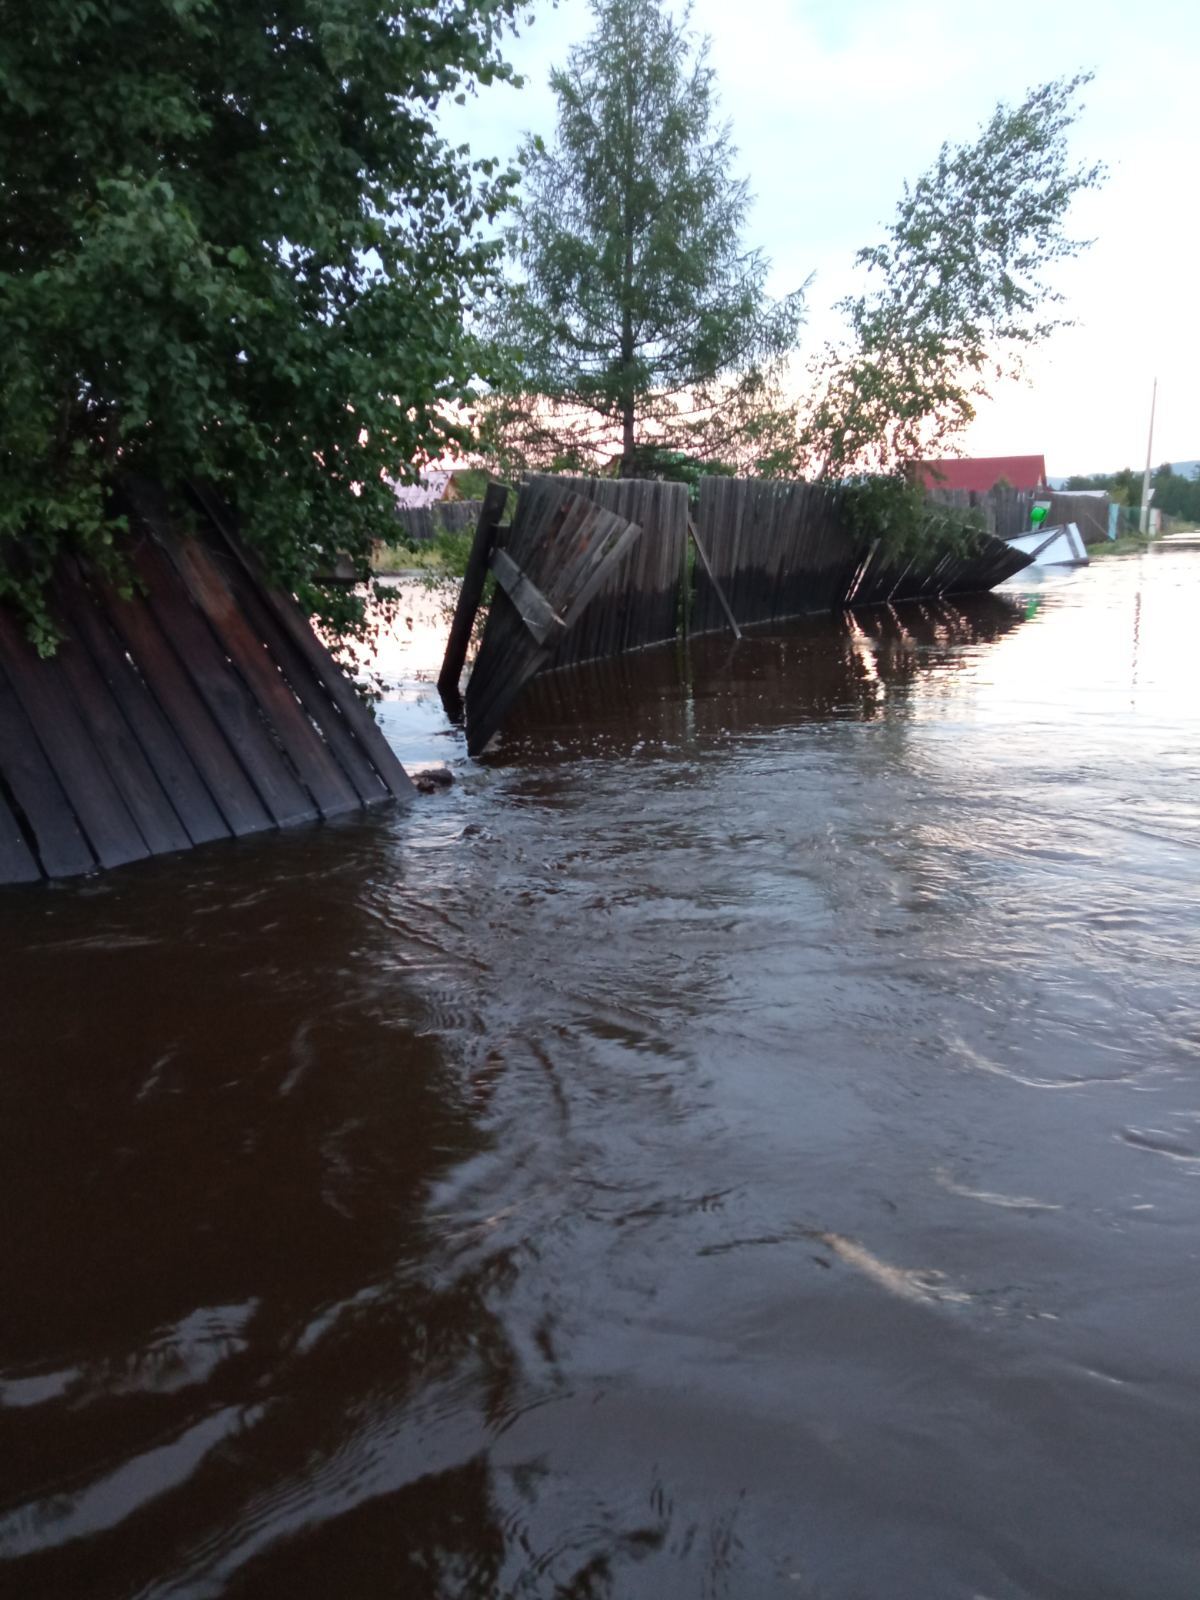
(835, 103)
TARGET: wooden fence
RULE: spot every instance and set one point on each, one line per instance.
(200, 706)
(768, 550)
(418, 524)
(776, 549)
(638, 602)
(1089, 512)
(557, 554)
(782, 549)
(1005, 512)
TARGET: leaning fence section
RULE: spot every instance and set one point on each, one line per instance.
(550, 564)
(194, 705)
(783, 549)
(776, 550)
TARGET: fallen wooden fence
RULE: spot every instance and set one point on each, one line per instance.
(779, 549)
(200, 706)
(766, 551)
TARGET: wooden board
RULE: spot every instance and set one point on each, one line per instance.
(562, 547)
(310, 758)
(337, 730)
(229, 703)
(66, 741)
(52, 826)
(17, 863)
(163, 673)
(355, 715)
(120, 752)
(193, 703)
(177, 774)
(638, 603)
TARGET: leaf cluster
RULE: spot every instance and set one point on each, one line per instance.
(961, 287)
(234, 247)
(1176, 493)
(893, 513)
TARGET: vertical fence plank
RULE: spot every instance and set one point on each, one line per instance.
(176, 772)
(67, 743)
(470, 595)
(53, 825)
(17, 862)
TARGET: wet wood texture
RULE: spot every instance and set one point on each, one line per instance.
(562, 548)
(198, 705)
(470, 596)
(637, 603)
(781, 549)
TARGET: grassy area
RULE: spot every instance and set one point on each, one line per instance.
(1123, 545)
(442, 557)
(1128, 543)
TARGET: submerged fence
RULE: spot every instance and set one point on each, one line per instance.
(199, 705)
(783, 549)
(767, 550)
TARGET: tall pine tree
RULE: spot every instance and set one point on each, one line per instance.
(640, 323)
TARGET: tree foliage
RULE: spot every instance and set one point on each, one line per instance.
(233, 247)
(1176, 493)
(959, 289)
(639, 320)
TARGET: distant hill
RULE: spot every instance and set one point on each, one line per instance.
(1183, 469)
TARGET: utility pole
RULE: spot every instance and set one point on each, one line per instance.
(1149, 453)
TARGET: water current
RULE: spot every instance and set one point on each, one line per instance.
(742, 1141)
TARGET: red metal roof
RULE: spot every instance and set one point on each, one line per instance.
(983, 472)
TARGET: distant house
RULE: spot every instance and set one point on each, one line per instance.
(982, 473)
(434, 485)
(427, 491)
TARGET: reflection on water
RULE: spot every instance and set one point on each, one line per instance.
(743, 1140)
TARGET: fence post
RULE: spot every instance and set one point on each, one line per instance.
(469, 597)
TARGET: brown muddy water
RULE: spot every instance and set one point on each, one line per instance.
(744, 1140)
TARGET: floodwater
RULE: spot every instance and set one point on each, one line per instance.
(742, 1141)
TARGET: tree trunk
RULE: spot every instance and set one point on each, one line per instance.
(627, 375)
(627, 440)
(627, 386)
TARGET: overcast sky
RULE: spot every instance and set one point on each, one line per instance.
(834, 103)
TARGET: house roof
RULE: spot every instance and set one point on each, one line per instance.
(982, 473)
(430, 488)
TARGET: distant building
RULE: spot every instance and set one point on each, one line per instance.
(434, 485)
(427, 491)
(982, 473)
